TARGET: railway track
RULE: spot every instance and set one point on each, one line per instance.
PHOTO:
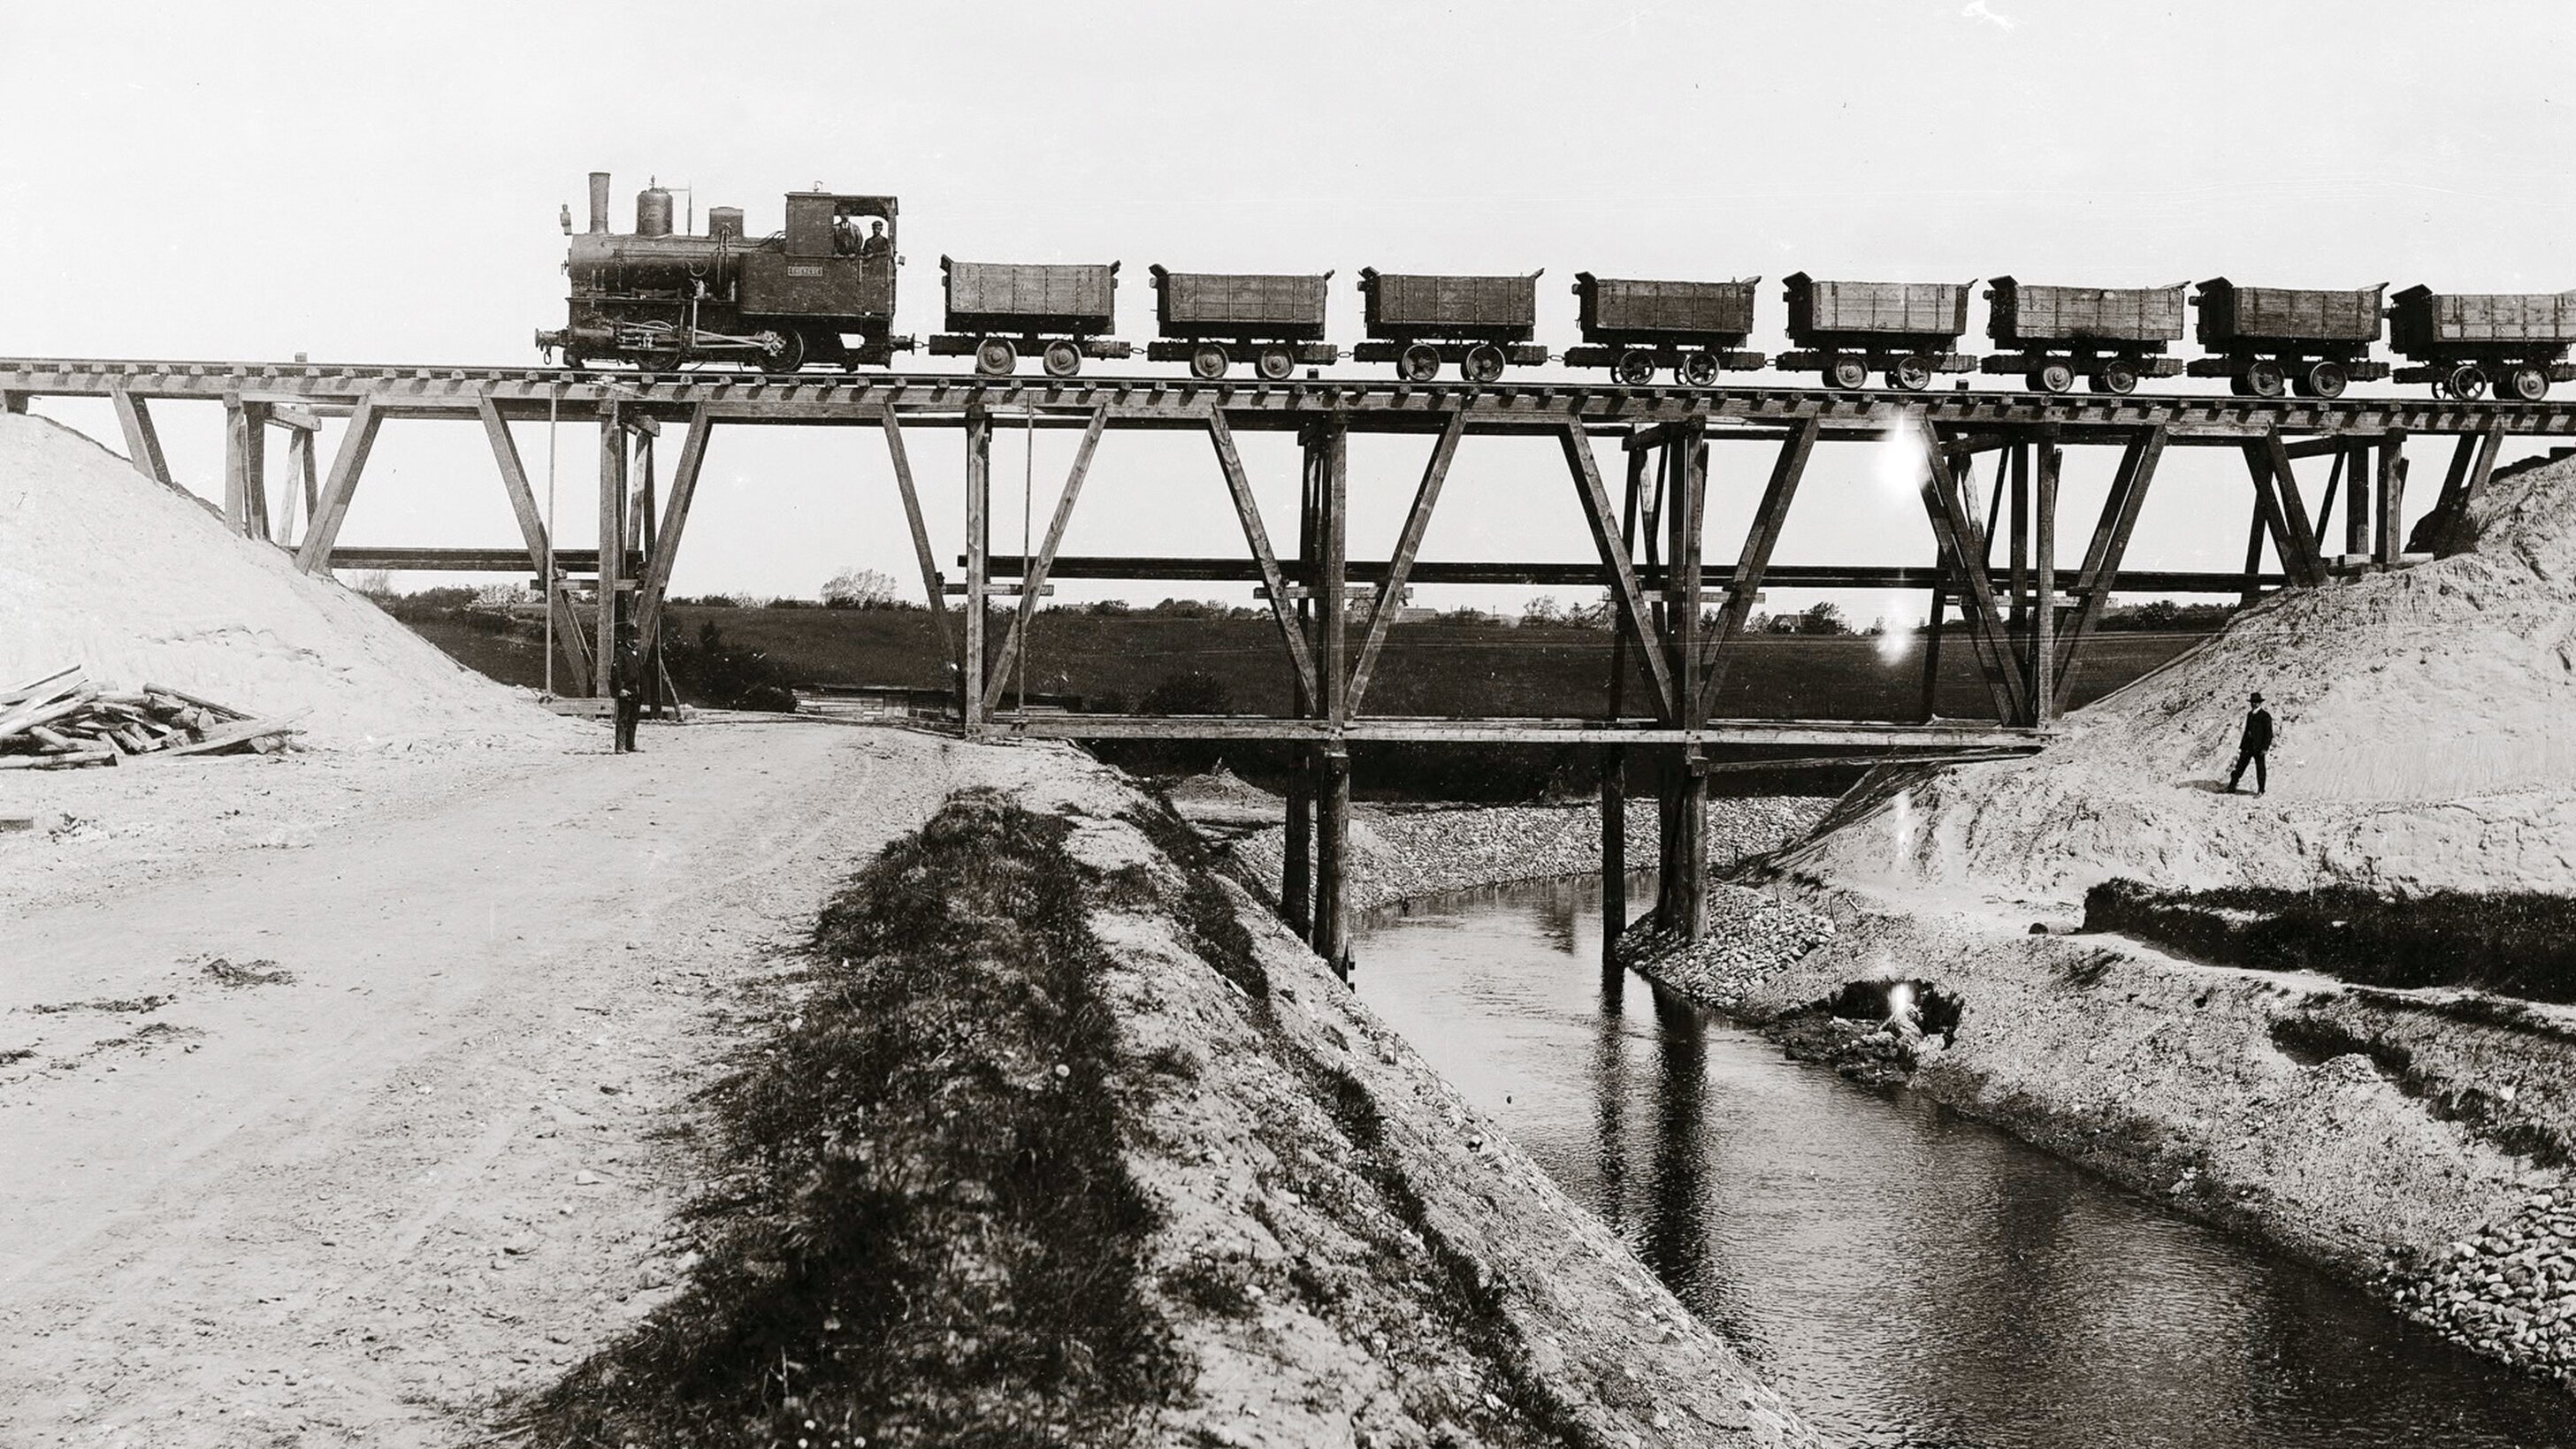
(1372, 404)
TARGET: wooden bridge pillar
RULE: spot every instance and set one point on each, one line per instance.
(2392, 500)
(1296, 876)
(979, 558)
(612, 548)
(1327, 449)
(1685, 863)
(1614, 854)
(1332, 858)
(246, 468)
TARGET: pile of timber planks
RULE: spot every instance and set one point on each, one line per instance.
(63, 721)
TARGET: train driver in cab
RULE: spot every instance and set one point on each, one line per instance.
(876, 243)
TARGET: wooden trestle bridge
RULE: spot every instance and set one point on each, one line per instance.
(2027, 622)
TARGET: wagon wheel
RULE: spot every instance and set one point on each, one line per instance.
(996, 357)
(2054, 376)
(1483, 363)
(2527, 383)
(1208, 361)
(1847, 372)
(1062, 358)
(2466, 381)
(1636, 367)
(1912, 373)
(1274, 364)
(2326, 379)
(1420, 363)
(1700, 369)
(2119, 376)
(2264, 378)
(782, 351)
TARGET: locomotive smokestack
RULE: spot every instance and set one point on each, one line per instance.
(599, 201)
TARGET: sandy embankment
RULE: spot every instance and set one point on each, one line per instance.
(2419, 1141)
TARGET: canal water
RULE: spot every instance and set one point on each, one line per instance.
(1905, 1275)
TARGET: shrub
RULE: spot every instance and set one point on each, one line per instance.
(1191, 691)
(722, 676)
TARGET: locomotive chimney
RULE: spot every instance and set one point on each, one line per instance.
(599, 201)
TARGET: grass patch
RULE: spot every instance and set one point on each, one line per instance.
(925, 1233)
(2515, 944)
(1205, 910)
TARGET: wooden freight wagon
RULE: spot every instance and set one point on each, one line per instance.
(1279, 319)
(2466, 341)
(999, 310)
(1418, 322)
(1845, 330)
(2111, 336)
(2266, 339)
(1635, 327)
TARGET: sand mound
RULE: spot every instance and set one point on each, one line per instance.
(102, 567)
(2426, 739)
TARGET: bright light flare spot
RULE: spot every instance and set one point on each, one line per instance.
(1895, 640)
(1900, 459)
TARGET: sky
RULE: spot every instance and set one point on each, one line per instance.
(381, 183)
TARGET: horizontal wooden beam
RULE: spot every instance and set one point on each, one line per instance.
(473, 560)
(1588, 575)
(1801, 734)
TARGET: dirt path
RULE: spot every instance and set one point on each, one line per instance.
(387, 1146)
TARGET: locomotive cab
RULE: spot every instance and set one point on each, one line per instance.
(831, 267)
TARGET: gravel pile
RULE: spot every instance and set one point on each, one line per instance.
(2509, 1292)
(1751, 938)
(1399, 854)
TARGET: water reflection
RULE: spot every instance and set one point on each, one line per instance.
(1907, 1276)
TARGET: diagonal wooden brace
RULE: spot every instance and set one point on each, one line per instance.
(1247, 509)
(1614, 559)
(1400, 566)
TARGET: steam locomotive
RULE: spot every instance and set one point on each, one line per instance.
(822, 290)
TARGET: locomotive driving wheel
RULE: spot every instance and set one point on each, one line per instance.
(1208, 362)
(1699, 369)
(1062, 359)
(1636, 367)
(996, 357)
(782, 351)
(1483, 363)
(2527, 383)
(2465, 381)
(1912, 373)
(1274, 364)
(2119, 377)
(1847, 373)
(1419, 363)
(2264, 378)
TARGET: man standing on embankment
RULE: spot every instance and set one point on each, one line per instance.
(2256, 743)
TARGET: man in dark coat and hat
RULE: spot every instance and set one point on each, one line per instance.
(2252, 747)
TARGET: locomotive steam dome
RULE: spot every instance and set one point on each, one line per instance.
(653, 211)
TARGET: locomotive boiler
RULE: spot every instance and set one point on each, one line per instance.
(820, 290)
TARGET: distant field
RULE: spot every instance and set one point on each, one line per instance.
(1428, 669)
